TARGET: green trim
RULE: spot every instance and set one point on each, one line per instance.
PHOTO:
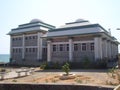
(26, 27)
(97, 33)
(38, 22)
(77, 22)
(77, 27)
(16, 33)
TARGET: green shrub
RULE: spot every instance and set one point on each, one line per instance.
(66, 68)
(43, 66)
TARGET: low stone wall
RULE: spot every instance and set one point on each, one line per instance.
(15, 86)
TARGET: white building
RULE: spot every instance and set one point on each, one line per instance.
(37, 41)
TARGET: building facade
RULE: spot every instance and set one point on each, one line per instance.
(76, 41)
(27, 46)
(37, 41)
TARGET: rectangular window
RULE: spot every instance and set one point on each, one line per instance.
(19, 50)
(30, 50)
(54, 48)
(26, 38)
(30, 37)
(33, 37)
(13, 50)
(83, 46)
(33, 49)
(16, 50)
(61, 47)
(26, 50)
(19, 38)
(67, 47)
(75, 47)
(13, 39)
(92, 46)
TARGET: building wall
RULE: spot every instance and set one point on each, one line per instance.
(24, 49)
(31, 40)
(78, 55)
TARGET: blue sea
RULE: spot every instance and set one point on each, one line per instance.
(4, 57)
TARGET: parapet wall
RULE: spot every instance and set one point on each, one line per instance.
(16, 86)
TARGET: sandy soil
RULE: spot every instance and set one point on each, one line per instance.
(95, 77)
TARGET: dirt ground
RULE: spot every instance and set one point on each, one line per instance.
(94, 77)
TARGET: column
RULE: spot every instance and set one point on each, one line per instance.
(39, 47)
(23, 47)
(116, 49)
(49, 51)
(10, 48)
(114, 55)
(110, 50)
(106, 54)
(70, 50)
(98, 48)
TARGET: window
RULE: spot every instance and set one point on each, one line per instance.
(19, 38)
(54, 48)
(33, 37)
(16, 50)
(75, 47)
(29, 49)
(13, 50)
(92, 46)
(67, 47)
(13, 39)
(33, 49)
(83, 46)
(19, 50)
(61, 47)
(26, 49)
(30, 37)
(26, 38)
(16, 39)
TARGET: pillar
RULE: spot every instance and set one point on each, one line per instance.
(105, 43)
(70, 50)
(49, 51)
(98, 48)
(39, 46)
(23, 47)
(11, 48)
(109, 49)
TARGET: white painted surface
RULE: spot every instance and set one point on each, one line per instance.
(98, 48)
(49, 51)
(75, 31)
(25, 30)
(23, 45)
(10, 47)
(38, 46)
(41, 44)
(74, 24)
(105, 43)
(70, 50)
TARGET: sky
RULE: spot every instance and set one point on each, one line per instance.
(57, 12)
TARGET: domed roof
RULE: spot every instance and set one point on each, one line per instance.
(35, 20)
(80, 20)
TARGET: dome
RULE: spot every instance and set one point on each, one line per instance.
(80, 20)
(35, 20)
